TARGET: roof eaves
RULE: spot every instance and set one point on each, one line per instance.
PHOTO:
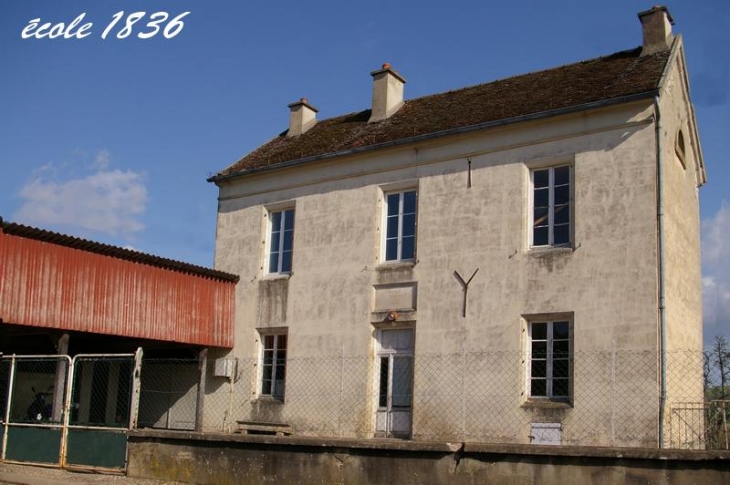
(72, 242)
(429, 136)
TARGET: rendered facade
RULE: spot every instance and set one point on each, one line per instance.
(516, 261)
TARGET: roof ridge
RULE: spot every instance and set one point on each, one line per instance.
(532, 73)
(471, 86)
(614, 76)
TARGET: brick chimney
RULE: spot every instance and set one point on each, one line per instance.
(387, 93)
(303, 116)
(656, 24)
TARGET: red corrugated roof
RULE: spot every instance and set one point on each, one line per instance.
(49, 280)
(112, 251)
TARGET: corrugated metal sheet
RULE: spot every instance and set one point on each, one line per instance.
(45, 284)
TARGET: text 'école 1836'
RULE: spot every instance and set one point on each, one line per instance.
(133, 23)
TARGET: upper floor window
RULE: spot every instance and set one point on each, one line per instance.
(281, 238)
(549, 368)
(551, 206)
(399, 242)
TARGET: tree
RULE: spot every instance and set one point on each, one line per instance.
(717, 377)
(719, 358)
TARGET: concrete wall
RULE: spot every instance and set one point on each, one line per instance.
(331, 303)
(227, 459)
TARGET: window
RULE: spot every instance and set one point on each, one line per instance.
(680, 149)
(551, 206)
(549, 360)
(273, 364)
(280, 241)
(400, 222)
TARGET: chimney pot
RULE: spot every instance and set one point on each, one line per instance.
(656, 26)
(302, 117)
(387, 93)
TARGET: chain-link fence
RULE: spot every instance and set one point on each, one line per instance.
(169, 393)
(102, 390)
(608, 399)
(35, 391)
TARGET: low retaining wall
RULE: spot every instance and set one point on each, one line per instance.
(237, 459)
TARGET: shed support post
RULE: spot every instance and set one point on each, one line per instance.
(59, 385)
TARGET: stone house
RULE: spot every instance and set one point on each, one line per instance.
(516, 261)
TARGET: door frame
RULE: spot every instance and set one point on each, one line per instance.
(383, 416)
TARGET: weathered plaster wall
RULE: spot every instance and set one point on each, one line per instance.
(682, 268)
(608, 281)
(681, 216)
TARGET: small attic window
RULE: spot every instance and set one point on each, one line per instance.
(679, 148)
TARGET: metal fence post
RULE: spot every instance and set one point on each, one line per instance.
(8, 405)
(342, 390)
(67, 409)
(724, 423)
(613, 396)
(463, 389)
(203, 363)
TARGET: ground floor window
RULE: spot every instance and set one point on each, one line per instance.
(549, 369)
(273, 364)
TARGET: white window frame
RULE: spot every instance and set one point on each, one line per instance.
(551, 206)
(276, 333)
(278, 270)
(384, 225)
(549, 359)
(391, 354)
(396, 419)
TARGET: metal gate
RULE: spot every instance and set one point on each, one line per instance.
(69, 412)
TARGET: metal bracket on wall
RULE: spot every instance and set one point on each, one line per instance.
(465, 287)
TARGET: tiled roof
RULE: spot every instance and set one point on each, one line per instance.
(29, 232)
(614, 77)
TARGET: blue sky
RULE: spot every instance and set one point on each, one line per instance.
(113, 139)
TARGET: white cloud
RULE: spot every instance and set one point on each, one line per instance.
(102, 160)
(106, 201)
(716, 271)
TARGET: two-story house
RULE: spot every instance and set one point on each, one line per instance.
(516, 261)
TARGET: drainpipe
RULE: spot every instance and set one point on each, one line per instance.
(660, 255)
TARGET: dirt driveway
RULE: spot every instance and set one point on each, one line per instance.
(35, 475)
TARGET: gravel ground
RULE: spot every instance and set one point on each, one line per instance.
(11, 474)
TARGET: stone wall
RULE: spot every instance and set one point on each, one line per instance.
(237, 459)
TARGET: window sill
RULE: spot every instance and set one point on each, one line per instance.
(277, 276)
(538, 251)
(268, 400)
(546, 404)
(395, 265)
